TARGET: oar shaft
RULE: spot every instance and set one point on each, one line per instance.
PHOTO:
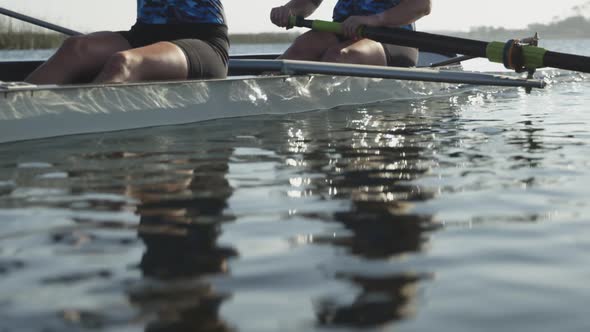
(567, 61)
(452, 61)
(424, 41)
(38, 22)
(427, 41)
(534, 57)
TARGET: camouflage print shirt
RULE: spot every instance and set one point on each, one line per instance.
(180, 11)
(347, 8)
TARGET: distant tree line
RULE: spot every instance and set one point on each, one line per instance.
(263, 38)
(18, 35)
(571, 27)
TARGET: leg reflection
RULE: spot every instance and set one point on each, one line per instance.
(370, 159)
(382, 299)
(180, 225)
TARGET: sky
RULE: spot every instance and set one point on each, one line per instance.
(250, 16)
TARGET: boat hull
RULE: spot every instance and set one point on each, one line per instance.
(41, 112)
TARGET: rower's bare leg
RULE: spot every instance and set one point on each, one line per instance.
(79, 57)
(363, 51)
(156, 62)
(310, 46)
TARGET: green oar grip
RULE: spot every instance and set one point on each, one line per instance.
(533, 56)
(495, 52)
(326, 26)
(316, 25)
(293, 22)
(319, 25)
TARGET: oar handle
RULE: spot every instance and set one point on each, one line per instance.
(317, 25)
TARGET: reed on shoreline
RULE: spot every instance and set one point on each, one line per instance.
(263, 38)
(16, 35)
(48, 40)
(19, 35)
(29, 40)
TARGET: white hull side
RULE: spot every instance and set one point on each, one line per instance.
(56, 111)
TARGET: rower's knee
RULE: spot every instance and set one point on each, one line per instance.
(310, 46)
(76, 47)
(362, 56)
(119, 67)
(300, 48)
(342, 55)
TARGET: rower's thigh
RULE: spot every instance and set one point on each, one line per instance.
(364, 51)
(311, 46)
(159, 61)
(96, 47)
(175, 60)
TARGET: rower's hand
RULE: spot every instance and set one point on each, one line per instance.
(279, 16)
(351, 25)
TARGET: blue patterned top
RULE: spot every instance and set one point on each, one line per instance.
(180, 11)
(347, 8)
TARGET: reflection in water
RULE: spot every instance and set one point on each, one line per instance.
(181, 207)
(371, 164)
(531, 143)
(180, 223)
(366, 159)
(379, 233)
(382, 300)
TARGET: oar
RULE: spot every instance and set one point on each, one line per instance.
(294, 67)
(452, 61)
(38, 22)
(512, 54)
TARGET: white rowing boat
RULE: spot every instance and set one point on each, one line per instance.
(33, 112)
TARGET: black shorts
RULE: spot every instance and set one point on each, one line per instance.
(205, 45)
(400, 56)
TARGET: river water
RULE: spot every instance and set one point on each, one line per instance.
(462, 213)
